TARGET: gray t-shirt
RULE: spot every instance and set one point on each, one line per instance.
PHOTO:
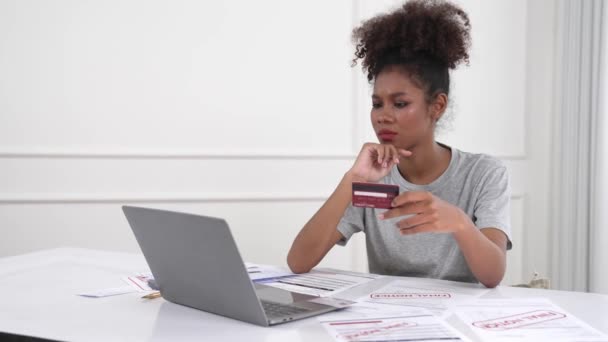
(476, 183)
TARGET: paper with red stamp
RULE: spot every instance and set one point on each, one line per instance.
(519, 320)
(530, 319)
(383, 322)
(423, 293)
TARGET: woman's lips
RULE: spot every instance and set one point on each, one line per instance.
(386, 135)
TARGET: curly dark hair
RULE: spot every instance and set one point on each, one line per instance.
(425, 37)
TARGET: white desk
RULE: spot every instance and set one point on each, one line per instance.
(39, 299)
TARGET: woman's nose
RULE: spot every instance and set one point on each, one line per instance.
(385, 117)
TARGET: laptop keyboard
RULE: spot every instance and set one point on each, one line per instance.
(281, 310)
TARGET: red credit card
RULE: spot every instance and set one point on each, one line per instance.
(374, 195)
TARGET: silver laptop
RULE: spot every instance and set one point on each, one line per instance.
(196, 263)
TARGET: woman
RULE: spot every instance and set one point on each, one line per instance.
(451, 218)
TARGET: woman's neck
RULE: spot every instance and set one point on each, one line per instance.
(426, 164)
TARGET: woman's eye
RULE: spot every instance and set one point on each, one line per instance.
(401, 104)
(376, 105)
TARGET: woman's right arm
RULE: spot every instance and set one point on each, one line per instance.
(320, 233)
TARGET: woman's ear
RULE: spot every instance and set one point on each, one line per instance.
(438, 107)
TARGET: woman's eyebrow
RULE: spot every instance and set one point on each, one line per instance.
(400, 93)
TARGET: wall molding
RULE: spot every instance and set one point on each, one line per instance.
(175, 154)
(172, 154)
(35, 199)
(156, 198)
(524, 270)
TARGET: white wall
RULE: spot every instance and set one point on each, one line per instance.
(540, 47)
(246, 110)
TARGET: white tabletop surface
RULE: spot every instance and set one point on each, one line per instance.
(39, 299)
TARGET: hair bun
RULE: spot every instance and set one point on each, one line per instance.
(421, 30)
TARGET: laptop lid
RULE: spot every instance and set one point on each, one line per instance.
(196, 263)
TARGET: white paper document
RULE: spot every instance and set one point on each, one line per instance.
(139, 281)
(136, 283)
(425, 294)
(361, 310)
(381, 322)
(524, 320)
(107, 292)
(257, 273)
(322, 283)
(265, 273)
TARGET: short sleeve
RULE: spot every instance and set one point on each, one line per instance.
(352, 222)
(492, 208)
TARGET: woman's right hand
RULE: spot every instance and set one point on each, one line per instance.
(375, 161)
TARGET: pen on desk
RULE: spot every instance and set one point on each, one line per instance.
(152, 295)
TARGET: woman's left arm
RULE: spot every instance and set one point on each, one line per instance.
(483, 249)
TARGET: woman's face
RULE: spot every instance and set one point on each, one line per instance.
(400, 114)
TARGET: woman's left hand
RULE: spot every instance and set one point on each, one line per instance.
(430, 214)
